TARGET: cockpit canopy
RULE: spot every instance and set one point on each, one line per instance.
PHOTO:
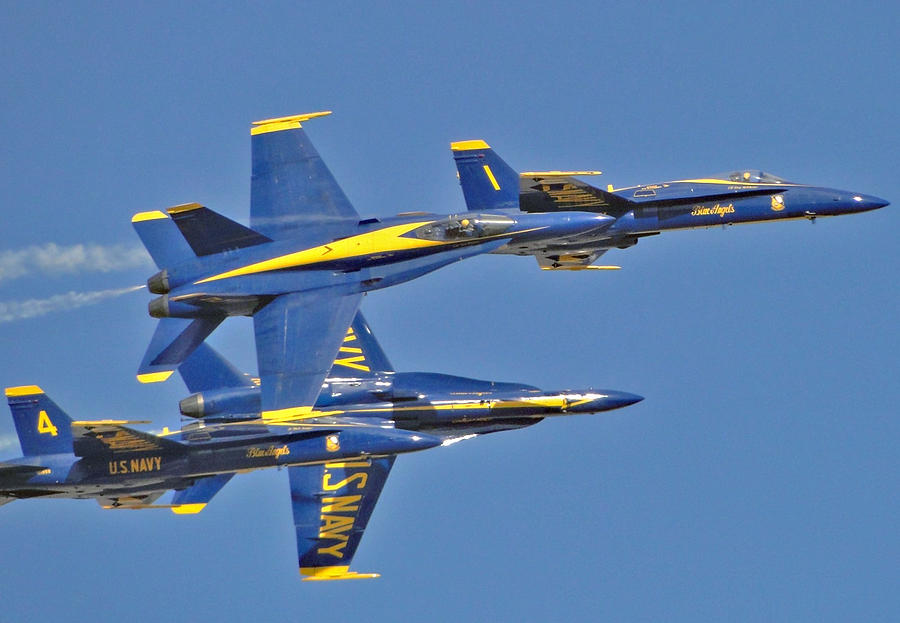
(462, 227)
(749, 176)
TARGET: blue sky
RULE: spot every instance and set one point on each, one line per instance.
(757, 481)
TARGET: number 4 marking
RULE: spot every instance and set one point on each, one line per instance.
(45, 425)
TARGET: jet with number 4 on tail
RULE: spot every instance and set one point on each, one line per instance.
(338, 456)
(635, 212)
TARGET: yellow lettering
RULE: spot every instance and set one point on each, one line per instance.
(123, 467)
(135, 465)
(327, 486)
(45, 425)
(342, 504)
(334, 550)
(334, 526)
(158, 460)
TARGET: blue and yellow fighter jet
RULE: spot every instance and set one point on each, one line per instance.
(491, 186)
(338, 459)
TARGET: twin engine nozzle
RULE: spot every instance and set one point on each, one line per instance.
(159, 283)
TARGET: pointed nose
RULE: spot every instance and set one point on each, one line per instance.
(617, 400)
(863, 203)
(594, 401)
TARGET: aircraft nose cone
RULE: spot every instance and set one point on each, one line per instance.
(869, 202)
(601, 400)
(617, 400)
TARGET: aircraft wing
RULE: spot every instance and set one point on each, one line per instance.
(297, 338)
(332, 504)
(291, 189)
(105, 437)
(554, 191)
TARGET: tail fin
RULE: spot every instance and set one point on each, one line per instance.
(206, 369)
(161, 236)
(488, 183)
(173, 342)
(43, 427)
(189, 230)
(360, 354)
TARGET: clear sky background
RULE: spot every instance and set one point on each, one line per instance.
(757, 481)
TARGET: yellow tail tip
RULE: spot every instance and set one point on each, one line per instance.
(465, 145)
(291, 122)
(23, 390)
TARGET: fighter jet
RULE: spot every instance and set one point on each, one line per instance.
(338, 457)
(742, 196)
(304, 263)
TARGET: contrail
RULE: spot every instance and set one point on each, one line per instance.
(31, 308)
(52, 258)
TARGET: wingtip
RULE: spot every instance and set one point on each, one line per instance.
(321, 574)
(154, 377)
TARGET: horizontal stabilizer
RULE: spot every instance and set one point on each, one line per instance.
(173, 342)
(195, 498)
(104, 438)
(209, 232)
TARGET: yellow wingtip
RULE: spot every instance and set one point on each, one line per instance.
(318, 574)
(188, 509)
(581, 268)
(148, 216)
(465, 145)
(291, 122)
(154, 377)
(23, 390)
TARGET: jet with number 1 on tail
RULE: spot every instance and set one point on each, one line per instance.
(742, 196)
(338, 457)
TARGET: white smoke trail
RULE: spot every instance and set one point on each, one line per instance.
(52, 258)
(30, 308)
(7, 442)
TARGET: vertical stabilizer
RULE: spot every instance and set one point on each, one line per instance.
(488, 183)
(43, 427)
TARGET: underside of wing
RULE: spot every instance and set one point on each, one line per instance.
(297, 339)
(291, 187)
(332, 504)
(560, 191)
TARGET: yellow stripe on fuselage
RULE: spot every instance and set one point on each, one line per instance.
(379, 241)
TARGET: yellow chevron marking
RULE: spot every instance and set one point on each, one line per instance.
(352, 362)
